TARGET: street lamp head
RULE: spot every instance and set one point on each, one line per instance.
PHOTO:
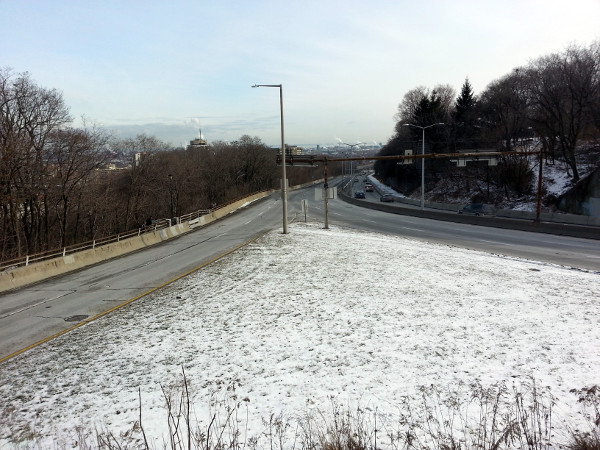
(420, 127)
(268, 85)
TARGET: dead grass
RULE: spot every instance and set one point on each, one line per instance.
(460, 417)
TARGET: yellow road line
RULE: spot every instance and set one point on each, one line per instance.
(83, 322)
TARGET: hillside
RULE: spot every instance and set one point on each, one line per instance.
(299, 325)
(466, 185)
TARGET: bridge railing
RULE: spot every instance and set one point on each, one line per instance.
(81, 246)
(70, 249)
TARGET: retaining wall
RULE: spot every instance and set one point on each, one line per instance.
(558, 218)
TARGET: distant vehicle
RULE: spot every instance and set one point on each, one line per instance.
(386, 198)
(359, 194)
(369, 188)
(477, 209)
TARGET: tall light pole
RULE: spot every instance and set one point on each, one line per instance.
(283, 174)
(351, 148)
(423, 158)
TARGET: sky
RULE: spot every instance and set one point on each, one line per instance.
(267, 341)
(170, 68)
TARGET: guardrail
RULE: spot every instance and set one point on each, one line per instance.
(193, 216)
(75, 248)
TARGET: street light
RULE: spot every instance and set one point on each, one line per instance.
(351, 148)
(283, 174)
(423, 158)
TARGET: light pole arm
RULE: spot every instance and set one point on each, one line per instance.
(283, 171)
(423, 158)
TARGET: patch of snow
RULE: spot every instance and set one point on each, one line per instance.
(291, 321)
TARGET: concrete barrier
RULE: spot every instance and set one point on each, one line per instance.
(558, 218)
(25, 275)
(514, 223)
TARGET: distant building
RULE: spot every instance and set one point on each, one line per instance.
(290, 150)
(138, 157)
(198, 143)
(293, 150)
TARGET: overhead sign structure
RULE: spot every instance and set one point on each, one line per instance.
(407, 160)
(409, 157)
(331, 194)
(462, 162)
(298, 160)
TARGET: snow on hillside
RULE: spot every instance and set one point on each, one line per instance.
(292, 322)
(557, 180)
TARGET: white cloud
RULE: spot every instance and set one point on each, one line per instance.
(344, 65)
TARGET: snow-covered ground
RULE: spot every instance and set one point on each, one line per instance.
(293, 322)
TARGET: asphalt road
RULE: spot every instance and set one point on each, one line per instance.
(569, 251)
(37, 313)
(46, 309)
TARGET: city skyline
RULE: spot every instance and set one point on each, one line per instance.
(168, 69)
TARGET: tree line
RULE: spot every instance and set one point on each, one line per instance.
(56, 190)
(552, 104)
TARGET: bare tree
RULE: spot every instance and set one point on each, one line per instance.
(504, 108)
(563, 88)
(28, 115)
(75, 154)
(447, 95)
(410, 103)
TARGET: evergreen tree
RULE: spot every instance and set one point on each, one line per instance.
(464, 118)
(465, 103)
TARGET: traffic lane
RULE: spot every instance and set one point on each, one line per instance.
(38, 312)
(574, 252)
(511, 223)
(569, 251)
(136, 270)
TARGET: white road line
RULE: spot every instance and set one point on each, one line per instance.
(412, 229)
(494, 242)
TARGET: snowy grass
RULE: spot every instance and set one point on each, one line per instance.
(378, 328)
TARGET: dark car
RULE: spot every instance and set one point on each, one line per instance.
(359, 194)
(477, 209)
(386, 198)
(369, 188)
